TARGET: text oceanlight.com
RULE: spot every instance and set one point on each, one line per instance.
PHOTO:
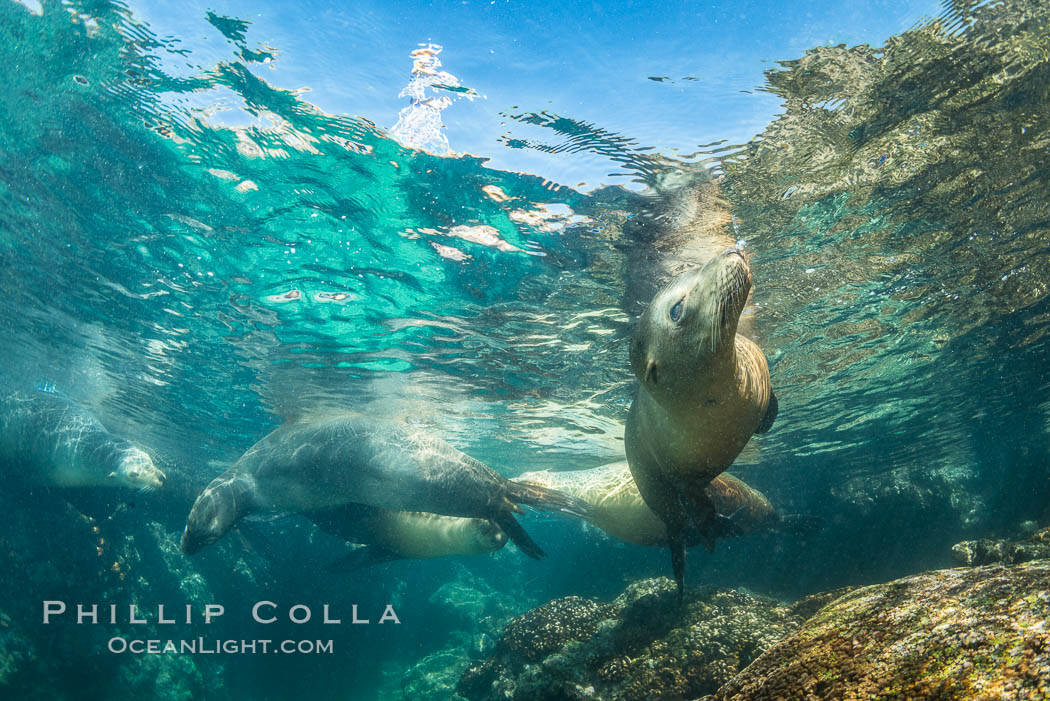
(202, 646)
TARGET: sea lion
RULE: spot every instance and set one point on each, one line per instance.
(322, 463)
(703, 391)
(392, 535)
(48, 439)
(618, 509)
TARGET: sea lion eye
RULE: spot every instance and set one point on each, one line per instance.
(676, 310)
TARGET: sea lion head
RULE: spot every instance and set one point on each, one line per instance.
(214, 513)
(135, 469)
(488, 537)
(689, 326)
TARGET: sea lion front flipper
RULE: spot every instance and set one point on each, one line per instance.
(771, 414)
(362, 557)
(516, 533)
(729, 525)
(677, 545)
(703, 522)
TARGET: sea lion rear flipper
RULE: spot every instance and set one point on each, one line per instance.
(362, 557)
(547, 499)
(516, 533)
(770, 416)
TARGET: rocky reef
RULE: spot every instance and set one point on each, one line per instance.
(641, 645)
(943, 635)
(82, 549)
(474, 612)
(985, 551)
(950, 634)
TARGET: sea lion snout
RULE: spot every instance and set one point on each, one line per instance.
(691, 321)
(213, 514)
(189, 544)
(492, 536)
(138, 471)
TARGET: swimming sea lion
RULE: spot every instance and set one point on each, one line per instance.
(393, 535)
(703, 391)
(323, 463)
(48, 439)
(618, 509)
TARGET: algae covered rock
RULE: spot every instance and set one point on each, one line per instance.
(541, 631)
(950, 634)
(1007, 552)
(642, 645)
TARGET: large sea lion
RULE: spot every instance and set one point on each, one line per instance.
(392, 535)
(703, 391)
(47, 439)
(322, 463)
(618, 509)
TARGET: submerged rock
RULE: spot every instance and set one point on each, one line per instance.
(19, 657)
(951, 634)
(473, 612)
(96, 550)
(642, 645)
(433, 677)
(1006, 552)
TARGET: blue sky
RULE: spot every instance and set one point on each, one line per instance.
(590, 61)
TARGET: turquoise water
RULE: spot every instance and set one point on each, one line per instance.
(196, 251)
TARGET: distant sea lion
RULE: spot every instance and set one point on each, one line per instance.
(704, 390)
(48, 439)
(393, 535)
(323, 463)
(618, 509)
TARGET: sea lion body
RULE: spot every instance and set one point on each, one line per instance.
(415, 534)
(346, 459)
(393, 535)
(47, 439)
(703, 391)
(618, 509)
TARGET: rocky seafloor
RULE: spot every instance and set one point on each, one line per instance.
(988, 551)
(979, 632)
(969, 633)
(950, 634)
(52, 550)
(641, 645)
